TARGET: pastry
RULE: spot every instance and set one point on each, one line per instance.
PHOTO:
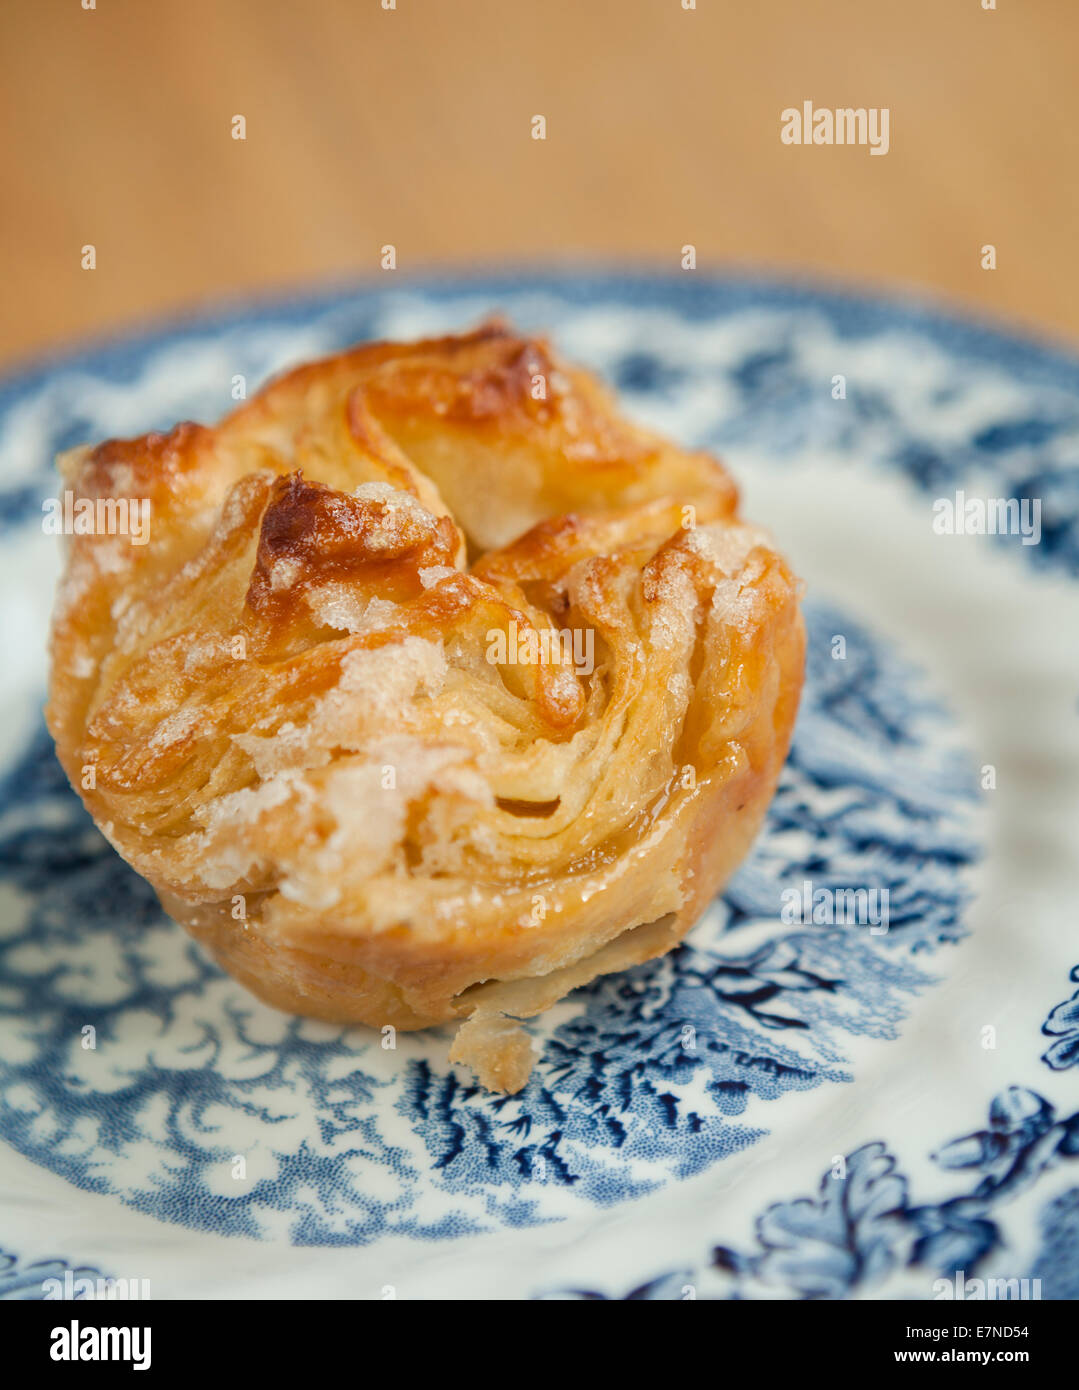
(437, 689)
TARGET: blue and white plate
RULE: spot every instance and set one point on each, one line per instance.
(806, 1100)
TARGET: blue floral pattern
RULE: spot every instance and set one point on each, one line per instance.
(132, 1067)
(659, 1073)
(862, 1226)
(1063, 1025)
(26, 1280)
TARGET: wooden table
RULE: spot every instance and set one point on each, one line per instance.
(412, 126)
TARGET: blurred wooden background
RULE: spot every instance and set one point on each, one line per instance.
(412, 126)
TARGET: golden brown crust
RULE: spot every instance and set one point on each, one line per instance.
(335, 713)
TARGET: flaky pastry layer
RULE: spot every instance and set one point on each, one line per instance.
(438, 690)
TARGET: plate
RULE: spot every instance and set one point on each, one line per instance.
(858, 1077)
